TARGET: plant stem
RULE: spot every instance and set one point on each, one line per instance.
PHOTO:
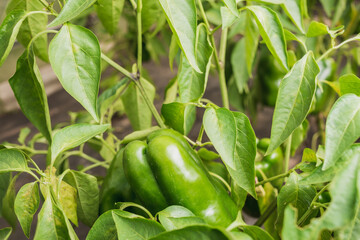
(38, 35)
(201, 133)
(221, 180)
(311, 207)
(139, 37)
(138, 84)
(117, 66)
(150, 105)
(325, 54)
(91, 167)
(283, 175)
(131, 204)
(107, 145)
(271, 208)
(220, 63)
(222, 79)
(287, 153)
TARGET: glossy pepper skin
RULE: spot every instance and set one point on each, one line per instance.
(184, 182)
(271, 165)
(141, 178)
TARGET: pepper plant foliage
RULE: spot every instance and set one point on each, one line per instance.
(263, 52)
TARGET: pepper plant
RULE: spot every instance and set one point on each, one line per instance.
(161, 183)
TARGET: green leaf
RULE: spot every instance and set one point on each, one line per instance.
(318, 175)
(7, 211)
(234, 139)
(5, 233)
(342, 128)
(5, 179)
(251, 43)
(290, 229)
(317, 29)
(87, 195)
(12, 160)
(109, 12)
(300, 196)
(232, 6)
(299, 136)
(271, 31)
(134, 227)
(71, 9)
(179, 116)
(181, 17)
(136, 108)
(227, 17)
(74, 135)
(194, 232)
(29, 91)
(138, 135)
(349, 83)
(256, 233)
(51, 222)
(173, 51)
(345, 200)
(32, 25)
(75, 58)
(9, 29)
(151, 13)
(192, 84)
(176, 217)
(294, 99)
(239, 65)
(293, 9)
(104, 227)
(26, 204)
(108, 97)
(68, 201)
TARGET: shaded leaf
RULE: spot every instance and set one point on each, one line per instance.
(179, 116)
(251, 43)
(74, 135)
(109, 12)
(239, 66)
(342, 128)
(294, 99)
(271, 31)
(9, 29)
(293, 10)
(7, 211)
(68, 201)
(136, 108)
(87, 195)
(51, 222)
(5, 233)
(192, 84)
(181, 17)
(71, 9)
(298, 195)
(195, 232)
(5, 179)
(75, 58)
(26, 204)
(31, 26)
(29, 91)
